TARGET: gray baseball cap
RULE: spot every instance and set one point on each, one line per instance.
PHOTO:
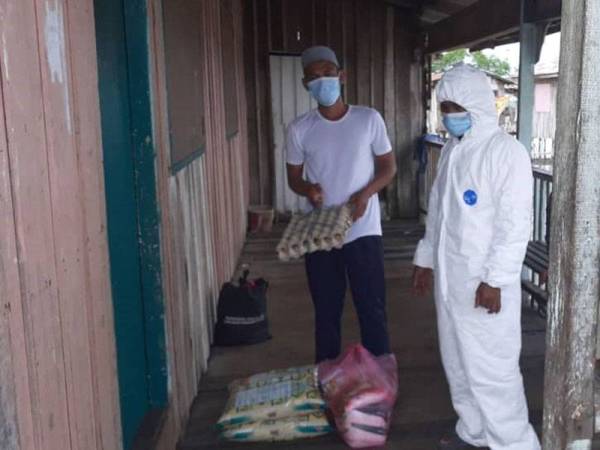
(318, 53)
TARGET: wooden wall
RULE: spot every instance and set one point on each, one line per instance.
(58, 384)
(203, 208)
(377, 45)
(58, 379)
(544, 121)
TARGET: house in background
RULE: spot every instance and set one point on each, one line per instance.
(544, 117)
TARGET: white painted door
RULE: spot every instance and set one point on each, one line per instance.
(289, 100)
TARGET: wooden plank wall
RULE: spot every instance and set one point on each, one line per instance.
(58, 375)
(203, 209)
(377, 44)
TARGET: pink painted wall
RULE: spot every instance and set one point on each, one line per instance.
(60, 372)
(57, 350)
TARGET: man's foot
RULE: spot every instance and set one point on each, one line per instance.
(453, 442)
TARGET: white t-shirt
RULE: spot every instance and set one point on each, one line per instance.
(340, 156)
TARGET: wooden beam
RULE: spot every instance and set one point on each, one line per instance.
(483, 20)
(486, 20)
(448, 7)
(542, 10)
(575, 236)
(411, 4)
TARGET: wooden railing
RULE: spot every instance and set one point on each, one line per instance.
(535, 274)
(542, 188)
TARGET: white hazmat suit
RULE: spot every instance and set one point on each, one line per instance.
(478, 225)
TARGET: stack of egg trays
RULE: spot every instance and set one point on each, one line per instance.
(321, 229)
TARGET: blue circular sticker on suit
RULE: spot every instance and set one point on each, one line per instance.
(470, 197)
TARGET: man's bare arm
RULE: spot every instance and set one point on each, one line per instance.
(300, 186)
(385, 170)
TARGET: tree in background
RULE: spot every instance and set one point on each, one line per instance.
(444, 61)
(491, 63)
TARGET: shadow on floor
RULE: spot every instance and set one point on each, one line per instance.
(423, 412)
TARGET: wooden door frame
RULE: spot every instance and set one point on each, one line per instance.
(136, 87)
(136, 22)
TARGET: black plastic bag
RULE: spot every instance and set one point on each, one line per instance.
(242, 313)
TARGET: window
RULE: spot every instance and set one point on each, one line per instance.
(229, 34)
(183, 58)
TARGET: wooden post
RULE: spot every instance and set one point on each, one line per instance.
(531, 37)
(527, 62)
(575, 236)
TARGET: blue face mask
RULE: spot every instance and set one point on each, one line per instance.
(325, 90)
(458, 124)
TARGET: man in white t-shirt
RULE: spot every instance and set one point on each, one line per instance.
(341, 153)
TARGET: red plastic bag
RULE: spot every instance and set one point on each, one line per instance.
(360, 390)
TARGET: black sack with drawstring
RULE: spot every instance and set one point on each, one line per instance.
(242, 313)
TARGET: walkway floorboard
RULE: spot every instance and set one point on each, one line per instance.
(423, 411)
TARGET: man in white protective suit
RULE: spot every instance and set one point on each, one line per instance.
(478, 225)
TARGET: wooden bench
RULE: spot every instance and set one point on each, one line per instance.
(536, 259)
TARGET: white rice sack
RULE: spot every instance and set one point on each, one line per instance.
(272, 395)
(283, 429)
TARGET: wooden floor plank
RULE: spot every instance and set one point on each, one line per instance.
(423, 412)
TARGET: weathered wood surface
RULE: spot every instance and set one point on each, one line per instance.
(23, 104)
(10, 293)
(575, 236)
(57, 308)
(84, 81)
(203, 212)
(485, 20)
(374, 41)
(597, 399)
(68, 217)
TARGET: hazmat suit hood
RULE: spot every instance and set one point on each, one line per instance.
(469, 87)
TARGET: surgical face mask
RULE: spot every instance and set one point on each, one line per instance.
(325, 90)
(458, 124)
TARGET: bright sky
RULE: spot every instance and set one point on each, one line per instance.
(548, 60)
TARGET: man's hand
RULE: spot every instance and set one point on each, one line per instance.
(488, 297)
(422, 281)
(297, 183)
(314, 194)
(359, 202)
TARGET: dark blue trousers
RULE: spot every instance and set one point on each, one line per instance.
(361, 263)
